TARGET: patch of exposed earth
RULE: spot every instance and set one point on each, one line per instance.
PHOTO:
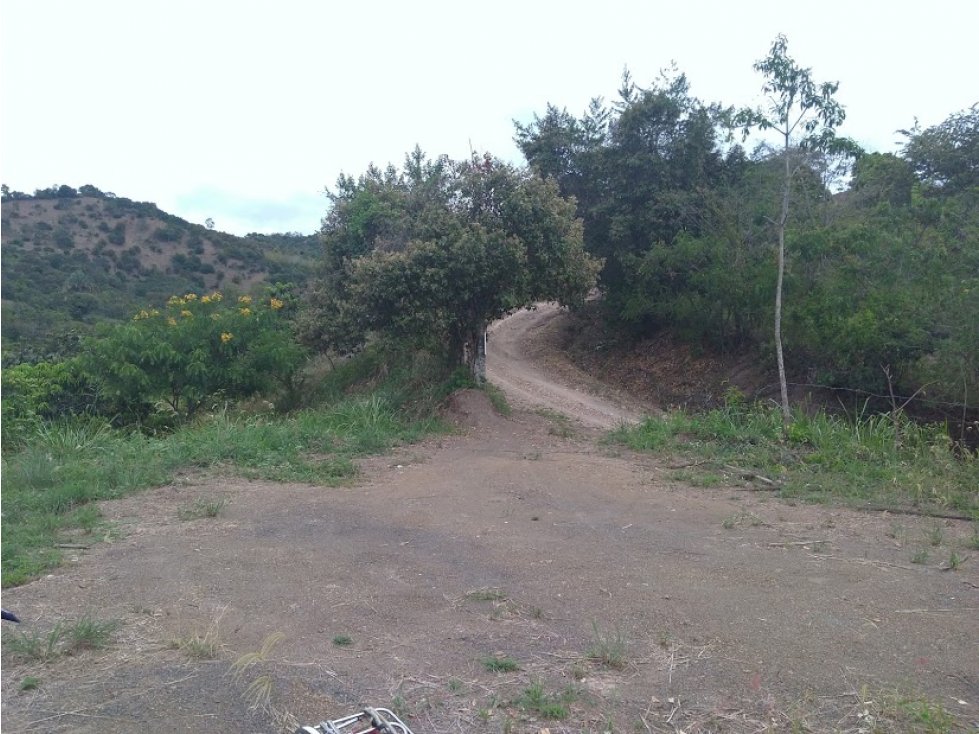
(715, 609)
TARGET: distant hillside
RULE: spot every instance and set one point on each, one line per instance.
(73, 258)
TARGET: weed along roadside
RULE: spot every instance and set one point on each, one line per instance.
(822, 459)
(52, 484)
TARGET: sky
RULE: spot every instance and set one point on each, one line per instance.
(245, 112)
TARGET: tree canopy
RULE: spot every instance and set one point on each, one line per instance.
(435, 251)
(880, 268)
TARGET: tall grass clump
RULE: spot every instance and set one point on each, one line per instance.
(870, 461)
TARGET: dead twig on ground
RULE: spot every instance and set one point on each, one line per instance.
(860, 561)
(797, 542)
(753, 476)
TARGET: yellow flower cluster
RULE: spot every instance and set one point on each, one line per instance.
(226, 336)
(186, 314)
(190, 297)
(171, 321)
(276, 304)
(244, 300)
(212, 298)
(245, 311)
(144, 314)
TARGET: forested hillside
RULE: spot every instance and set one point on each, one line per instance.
(73, 258)
(881, 290)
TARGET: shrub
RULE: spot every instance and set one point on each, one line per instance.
(33, 393)
(192, 350)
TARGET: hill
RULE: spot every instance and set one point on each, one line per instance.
(74, 258)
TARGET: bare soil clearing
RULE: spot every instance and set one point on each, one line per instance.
(715, 609)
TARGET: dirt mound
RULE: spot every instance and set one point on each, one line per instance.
(661, 370)
(468, 409)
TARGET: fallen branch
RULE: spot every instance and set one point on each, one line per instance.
(797, 542)
(752, 476)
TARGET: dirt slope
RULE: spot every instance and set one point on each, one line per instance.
(522, 359)
(715, 609)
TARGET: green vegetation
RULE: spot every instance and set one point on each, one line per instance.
(867, 462)
(498, 399)
(548, 706)
(201, 509)
(486, 595)
(62, 467)
(433, 253)
(193, 350)
(199, 646)
(496, 664)
(804, 116)
(65, 638)
(607, 648)
(881, 276)
(73, 260)
(342, 640)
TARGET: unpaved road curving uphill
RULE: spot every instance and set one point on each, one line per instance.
(522, 362)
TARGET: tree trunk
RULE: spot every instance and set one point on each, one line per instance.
(783, 218)
(474, 353)
(479, 366)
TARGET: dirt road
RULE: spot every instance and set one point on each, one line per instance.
(522, 361)
(627, 599)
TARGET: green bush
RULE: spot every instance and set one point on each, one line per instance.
(193, 350)
(33, 393)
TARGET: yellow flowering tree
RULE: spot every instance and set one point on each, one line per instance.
(194, 349)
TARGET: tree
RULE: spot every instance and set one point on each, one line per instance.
(946, 156)
(804, 115)
(639, 170)
(436, 251)
(882, 178)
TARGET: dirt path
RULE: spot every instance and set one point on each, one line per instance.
(638, 602)
(522, 361)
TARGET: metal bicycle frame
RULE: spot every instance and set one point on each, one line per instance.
(377, 721)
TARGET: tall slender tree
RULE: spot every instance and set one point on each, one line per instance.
(804, 115)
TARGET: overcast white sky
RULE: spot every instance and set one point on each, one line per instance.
(245, 111)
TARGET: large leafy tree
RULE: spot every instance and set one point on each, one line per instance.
(804, 115)
(640, 170)
(946, 156)
(434, 252)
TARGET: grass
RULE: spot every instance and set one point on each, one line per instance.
(498, 399)
(547, 706)
(200, 646)
(900, 711)
(29, 683)
(820, 458)
(202, 509)
(65, 638)
(50, 485)
(607, 648)
(343, 641)
(496, 664)
(560, 423)
(258, 693)
(954, 561)
(487, 594)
